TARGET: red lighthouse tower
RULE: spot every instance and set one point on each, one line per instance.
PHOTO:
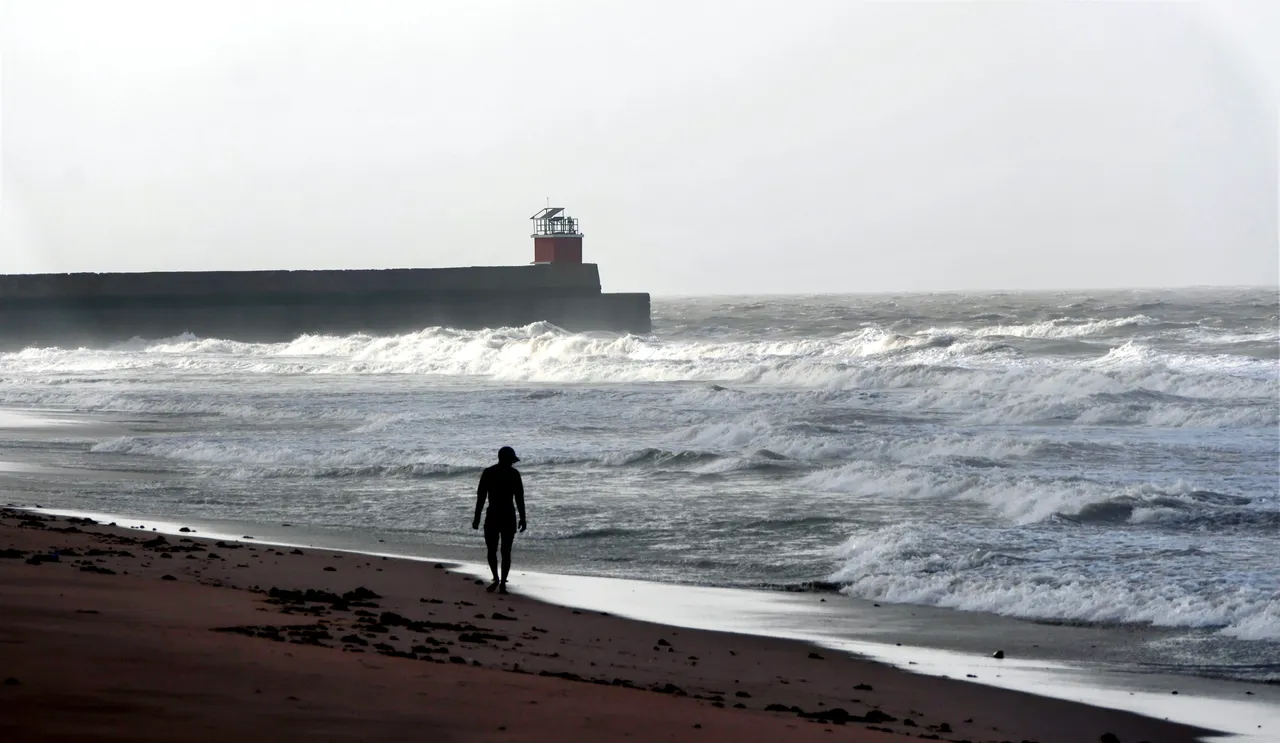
(555, 237)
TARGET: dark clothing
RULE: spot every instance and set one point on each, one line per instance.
(507, 532)
(502, 487)
(495, 536)
(505, 491)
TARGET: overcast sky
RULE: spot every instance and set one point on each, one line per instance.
(707, 146)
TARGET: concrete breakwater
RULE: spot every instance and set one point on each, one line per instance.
(263, 306)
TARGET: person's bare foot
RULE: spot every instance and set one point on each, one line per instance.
(502, 587)
(493, 587)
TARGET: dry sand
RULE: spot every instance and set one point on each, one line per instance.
(130, 637)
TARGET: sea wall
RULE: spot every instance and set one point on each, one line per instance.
(97, 309)
(250, 285)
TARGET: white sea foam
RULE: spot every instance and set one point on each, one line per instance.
(1060, 328)
(1263, 624)
(945, 374)
(760, 431)
(1015, 496)
(1036, 576)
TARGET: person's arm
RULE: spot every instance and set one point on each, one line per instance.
(481, 491)
(520, 499)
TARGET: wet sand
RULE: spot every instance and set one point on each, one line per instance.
(101, 645)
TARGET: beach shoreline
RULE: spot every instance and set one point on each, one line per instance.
(1041, 658)
(800, 683)
(845, 619)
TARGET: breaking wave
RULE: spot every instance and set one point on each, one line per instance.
(1024, 498)
(957, 370)
(250, 459)
(1066, 327)
(1036, 577)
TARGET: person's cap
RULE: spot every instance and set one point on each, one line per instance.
(507, 454)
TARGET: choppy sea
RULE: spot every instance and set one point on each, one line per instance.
(1101, 457)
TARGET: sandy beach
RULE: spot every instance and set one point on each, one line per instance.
(131, 635)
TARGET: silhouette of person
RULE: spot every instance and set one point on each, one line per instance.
(501, 483)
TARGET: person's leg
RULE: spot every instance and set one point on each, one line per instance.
(508, 536)
(491, 538)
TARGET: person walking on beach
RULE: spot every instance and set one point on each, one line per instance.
(502, 485)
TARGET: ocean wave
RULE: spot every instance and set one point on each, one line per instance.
(609, 532)
(991, 382)
(655, 456)
(698, 461)
(253, 459)
(1258, 625)
(1026, 499)
(391, 471)
(980, 448)
(983, 397)
(1147, 394)
(762, 436)
(760, 461)
(538, 352)
(1185, 508)
(791, 522)
(921, 564)
(1065, 327)
(1141, 395)
(152, 400)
